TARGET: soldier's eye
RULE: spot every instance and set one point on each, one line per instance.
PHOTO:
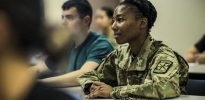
(120, 19)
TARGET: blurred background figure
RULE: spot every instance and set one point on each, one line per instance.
(196, 53)
(104, 22)
(21, 33)
(87, 51)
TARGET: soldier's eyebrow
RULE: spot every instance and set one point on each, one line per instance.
(119, 15)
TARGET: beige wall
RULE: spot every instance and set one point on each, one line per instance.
(53, 11)
(180, 23)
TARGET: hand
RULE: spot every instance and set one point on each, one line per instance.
(200, 58)
(100, 90)
(95, 86)
(190, 58)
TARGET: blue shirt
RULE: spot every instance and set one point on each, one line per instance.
(94, 48)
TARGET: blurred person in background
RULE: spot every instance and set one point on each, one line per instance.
(104, 22)
(21, 29)
(196, 53)
(87, 53)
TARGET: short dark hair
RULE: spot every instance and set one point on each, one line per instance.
(83, 7)
(108, 11)
(25, 17)
(146, 8)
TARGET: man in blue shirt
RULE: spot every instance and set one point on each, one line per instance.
(90, 47)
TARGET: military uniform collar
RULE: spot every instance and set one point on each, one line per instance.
(142, 57)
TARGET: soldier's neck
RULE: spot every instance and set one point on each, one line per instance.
(137, 44)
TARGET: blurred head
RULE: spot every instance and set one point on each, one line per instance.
(132, 19)
(21, 25)
(104, 17)
(77, 16)
(20, 29)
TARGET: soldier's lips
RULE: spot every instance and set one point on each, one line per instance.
(117, 35)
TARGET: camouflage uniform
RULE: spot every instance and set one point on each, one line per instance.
(157, 73)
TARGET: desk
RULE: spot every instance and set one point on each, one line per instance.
(196, 71)
(78, 92)
(189, 97)
(196, 68)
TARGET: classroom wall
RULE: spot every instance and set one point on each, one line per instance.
(53, 11)
(180, 23)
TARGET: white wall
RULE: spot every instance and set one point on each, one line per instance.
(180, 23)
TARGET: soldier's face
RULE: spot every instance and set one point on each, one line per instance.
(126, 26)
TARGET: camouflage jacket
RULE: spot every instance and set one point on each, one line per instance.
(157, 73)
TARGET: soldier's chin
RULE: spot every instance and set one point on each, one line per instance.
(119, 41)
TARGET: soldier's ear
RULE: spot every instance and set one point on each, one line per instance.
(143, 23)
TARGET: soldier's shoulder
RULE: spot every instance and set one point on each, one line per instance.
(164, 50)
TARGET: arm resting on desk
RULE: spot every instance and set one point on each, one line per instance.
(105, 71)
(40, 69)
(158, 88)
(69, 79)
(160, 84)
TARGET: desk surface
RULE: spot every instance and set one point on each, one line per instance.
(189, 97)
(78, 92)
(196, 68)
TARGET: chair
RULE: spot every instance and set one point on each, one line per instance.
(196, 87)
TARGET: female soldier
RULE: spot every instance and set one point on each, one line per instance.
(144, 68)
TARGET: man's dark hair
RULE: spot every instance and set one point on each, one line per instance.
(145, 7)
(83, 8)
(25, 18)
(108, 11)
